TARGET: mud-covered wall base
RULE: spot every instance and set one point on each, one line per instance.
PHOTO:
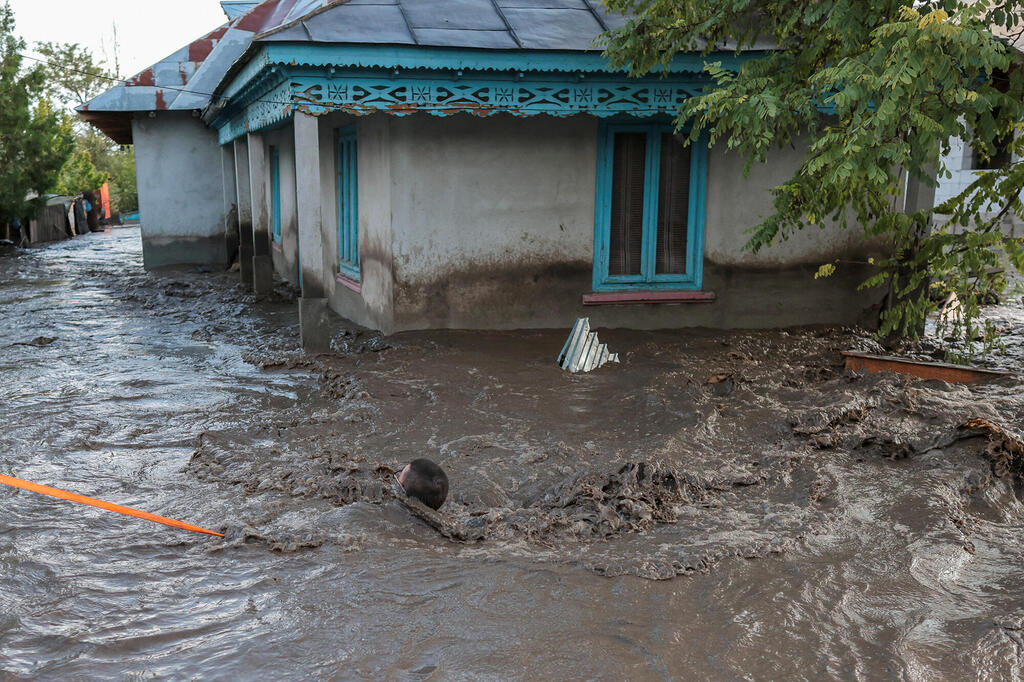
(550, 295)
(494, 296)
(183, 188)
(162, 252)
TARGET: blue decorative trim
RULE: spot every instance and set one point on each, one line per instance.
(275, 192)
(454, 59)
(485, 97)
(348, 203)
(364, 93)
(648, 280)
(265, 110)
(401, 80)
(248, 73)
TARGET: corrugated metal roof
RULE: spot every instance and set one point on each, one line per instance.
(582, 351)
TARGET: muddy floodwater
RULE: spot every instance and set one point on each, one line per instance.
(724, 505)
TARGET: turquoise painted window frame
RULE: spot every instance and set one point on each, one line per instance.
(275, 192)
(348, 203)
(649, 280)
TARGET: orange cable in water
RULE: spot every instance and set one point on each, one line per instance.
(109, 506)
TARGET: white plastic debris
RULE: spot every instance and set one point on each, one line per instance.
(582, 351)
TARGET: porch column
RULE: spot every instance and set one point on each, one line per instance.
(262, 264)
(918, 195)
(244, 203)
(314, 313)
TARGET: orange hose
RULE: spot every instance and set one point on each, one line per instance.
(109, 506)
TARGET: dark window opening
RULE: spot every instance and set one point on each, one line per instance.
(999, 157)
(627, 224)
(673, 206)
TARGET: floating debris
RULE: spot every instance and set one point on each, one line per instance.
(582, 351)
(961, 374)
(38, 342)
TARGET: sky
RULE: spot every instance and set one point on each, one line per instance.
(147, 30)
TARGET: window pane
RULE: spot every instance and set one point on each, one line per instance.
(673, 206)
(627, 221)
(275, 191)
(348, 210)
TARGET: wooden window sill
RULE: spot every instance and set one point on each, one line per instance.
(348, 283)
(634, 297)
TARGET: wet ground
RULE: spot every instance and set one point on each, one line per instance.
(724, 505)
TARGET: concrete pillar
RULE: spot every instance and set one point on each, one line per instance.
(919, 195)
(314, 313)
(244, 195)
(229, 200)
(262, 263)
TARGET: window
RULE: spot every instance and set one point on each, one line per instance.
(348, 204)
(649, 227)
(275, 191)
(1001, 156)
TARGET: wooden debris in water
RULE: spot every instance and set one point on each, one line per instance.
(1005, 448)
(958, 374)
(442, 523)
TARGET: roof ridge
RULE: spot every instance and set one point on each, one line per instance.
(508, 26)
(328, 4)
(596, 14)
(408, 24)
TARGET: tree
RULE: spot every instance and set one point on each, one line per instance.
(880, 87)
(73, 75)
(35, 139)
(123, 192)
(79, 174)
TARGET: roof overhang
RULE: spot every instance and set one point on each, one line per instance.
(117, 125)
(278, 79)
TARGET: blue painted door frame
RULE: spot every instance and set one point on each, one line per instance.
(348, 204)
(275, 191)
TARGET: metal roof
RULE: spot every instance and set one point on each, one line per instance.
(185, 79)
(236, 8)
(489, 24)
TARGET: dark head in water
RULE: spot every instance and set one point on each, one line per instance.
(425, 481)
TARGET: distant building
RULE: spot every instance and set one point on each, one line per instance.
(459, 163)
(964, 165)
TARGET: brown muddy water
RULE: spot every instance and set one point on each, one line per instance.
(719, 505)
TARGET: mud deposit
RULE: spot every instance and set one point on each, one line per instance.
(724, 505)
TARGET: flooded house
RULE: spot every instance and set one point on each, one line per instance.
(460, 164)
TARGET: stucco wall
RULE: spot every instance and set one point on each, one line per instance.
(372, 306)
(493, 222)
(285, 254)
(736, 203)
(179, 168)
(493, 219)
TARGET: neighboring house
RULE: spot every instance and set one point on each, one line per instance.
(460, 164)
(964, 164)
(56, 217)
(54, 220)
